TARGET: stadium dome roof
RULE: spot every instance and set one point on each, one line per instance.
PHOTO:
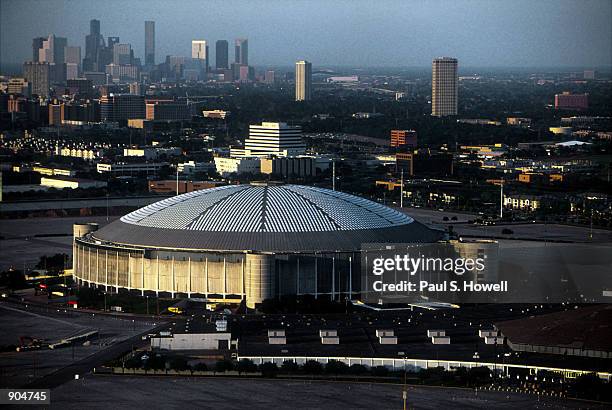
(264, 217)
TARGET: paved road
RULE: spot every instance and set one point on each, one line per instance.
(87, 365)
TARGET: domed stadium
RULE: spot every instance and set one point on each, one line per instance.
(235, 242)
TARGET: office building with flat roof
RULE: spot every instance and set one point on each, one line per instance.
(444, 87)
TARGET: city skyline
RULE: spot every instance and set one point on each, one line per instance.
(519, 34)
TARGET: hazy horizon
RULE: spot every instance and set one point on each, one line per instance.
(389, 34)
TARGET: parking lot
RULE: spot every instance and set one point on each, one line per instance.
(100, 392)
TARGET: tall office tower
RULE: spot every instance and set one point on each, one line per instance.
(52, 50)
(241, 51)
(122, 54)
(111, 41)
(303, 80)
(199, 53)
(37, 74)
(72, 58)
(274, 138)
(149, 43)
(93, 42)
(72, 54)
(37, 44)
(444, 85)
(221, 55)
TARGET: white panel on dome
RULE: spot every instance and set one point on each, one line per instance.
(257, 208)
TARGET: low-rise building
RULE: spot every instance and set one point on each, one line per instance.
(192, 167)
(170, 186)
(121, 168)
(196, 334)
(245, 165)
(528, 203)
(220, 114)
(61, 182)
(53, 171)
(299, 166)
(152, 152)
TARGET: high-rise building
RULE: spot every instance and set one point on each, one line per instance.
(274, 138)
(122, 53)
(444, 87)
(93, 42)
(37, 44)
(303, 80)
(37, 74)
(247, 73)
(149, 43)
(52, 50)
(56, 112)
(199, 54)
(72, 59)
(122, 72)
(269, 77)
(199, 50)
(121, 107)
(404, 138)
(221, 55)
(241, 51)
(112, 40)
(72, 55)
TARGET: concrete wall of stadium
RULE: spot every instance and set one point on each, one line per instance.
(253, 276)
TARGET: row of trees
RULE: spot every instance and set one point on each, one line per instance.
(587, 386)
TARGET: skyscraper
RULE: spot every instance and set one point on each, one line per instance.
(444, 85)
(303, 80)
(242, 51)
(149, 43)
(52, 50)
(38, 75)
(37, 44)
(93, 42)
(72, 58)
(221, 55)
(198, 50)
(199, 54)
(122, 53)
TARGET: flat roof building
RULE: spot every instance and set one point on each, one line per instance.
(444, 87)
(274, 138)
(303, 80)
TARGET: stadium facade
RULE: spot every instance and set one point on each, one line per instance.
(253, 242)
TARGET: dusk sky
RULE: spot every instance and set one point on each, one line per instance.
(568, 33)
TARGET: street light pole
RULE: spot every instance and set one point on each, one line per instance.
(402, 190)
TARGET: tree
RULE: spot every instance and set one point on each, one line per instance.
(179, 363)
(312, 367)
(223, 365)
(289, 366)
(336, 367)
(53, 264)
(268, 369)
(246, 366)
(380, 371)
(13, 279)
(358, 369)
(200, 367)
